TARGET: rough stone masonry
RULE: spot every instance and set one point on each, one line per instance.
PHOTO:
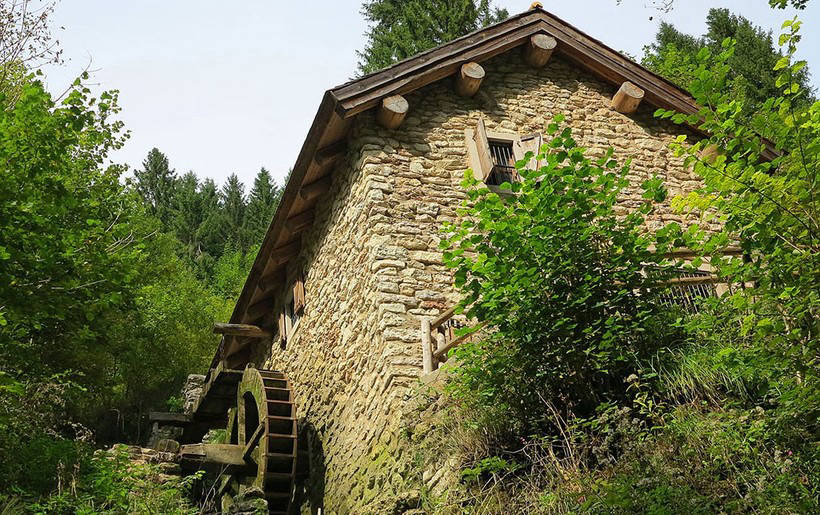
(372, 266)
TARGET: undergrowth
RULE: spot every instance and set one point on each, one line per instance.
(109, 483)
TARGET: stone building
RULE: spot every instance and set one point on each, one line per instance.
(350, 265)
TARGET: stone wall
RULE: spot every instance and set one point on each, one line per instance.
(372, 267)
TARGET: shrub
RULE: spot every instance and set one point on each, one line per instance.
(556, 274)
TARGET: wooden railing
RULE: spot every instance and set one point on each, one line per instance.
(438, 336)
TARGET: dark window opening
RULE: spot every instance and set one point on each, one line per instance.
(291, 313)
(503, 163)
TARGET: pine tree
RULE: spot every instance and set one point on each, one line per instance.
(262, 202)
(402, 28)
(210, 233)
(156, 183)
(232, 197)
(188, 215)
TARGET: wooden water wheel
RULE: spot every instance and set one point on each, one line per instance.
(259, 456)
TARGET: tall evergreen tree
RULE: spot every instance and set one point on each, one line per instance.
(673, 55)
(156, 183)
(262, 202)
(210, 232)
(232, 196)
(402, 28)
(188, 213)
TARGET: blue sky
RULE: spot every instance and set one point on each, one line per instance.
(225, 87)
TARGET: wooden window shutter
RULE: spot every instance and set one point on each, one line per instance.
(528, 143)
(298, 295)
(283, 328)
(482, 145)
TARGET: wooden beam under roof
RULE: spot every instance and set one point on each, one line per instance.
(259, 309)
(298, 223)
(246, 330)
(282, 254)
(330, 154)
(315, 189)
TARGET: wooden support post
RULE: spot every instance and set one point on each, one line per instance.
(392, 111)
(538, 50)
(246, 330)
(440, 344)
(316, 188)
(298, 223)
(628, 98)
(426, 351)
(469, 78)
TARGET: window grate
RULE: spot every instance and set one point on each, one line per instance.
(503, 163)
(687, 296)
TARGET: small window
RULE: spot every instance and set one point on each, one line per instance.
(687, 296)
(503, 163)
(493, 154)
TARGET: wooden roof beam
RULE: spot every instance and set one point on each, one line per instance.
(312, 191)
(538, 50)
(298, 223)
(283, 254)
(628, 98)
(271, 281)
(259, 309)
(392, 111)
(329, 154)
(469, 78)
(246, 330)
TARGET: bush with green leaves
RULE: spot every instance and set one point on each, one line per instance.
(557, 276)
(765, 196)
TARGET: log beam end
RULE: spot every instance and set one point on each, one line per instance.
(627, 98)
(392, 111)
(538, 50)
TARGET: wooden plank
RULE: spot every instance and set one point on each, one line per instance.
(169, 419)
(447, 315)
(441, 352)
(253, 440)
(426, 60)
(684, 281)
(213, 454)
(246, 330)
(485, 49)
(271, 281)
